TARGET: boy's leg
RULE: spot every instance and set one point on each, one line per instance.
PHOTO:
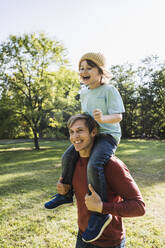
(104, 147)
(69, 159)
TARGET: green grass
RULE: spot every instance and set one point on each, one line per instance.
(28, 178)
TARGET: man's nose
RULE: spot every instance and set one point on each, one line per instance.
(75, 135)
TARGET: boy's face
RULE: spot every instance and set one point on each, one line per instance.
(89, 75)
(81, 138)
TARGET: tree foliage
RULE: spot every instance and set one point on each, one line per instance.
(26, 79)
(143, 93)
(124, 80)
(38, 93)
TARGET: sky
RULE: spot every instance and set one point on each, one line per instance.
(125, 31)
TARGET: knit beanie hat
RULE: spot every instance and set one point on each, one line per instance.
(98, 59)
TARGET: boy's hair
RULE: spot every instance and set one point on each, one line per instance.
(89, 121)
(99, 61)
(104, 80)
(93, 64)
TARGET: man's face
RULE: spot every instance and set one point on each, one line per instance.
(81, 138)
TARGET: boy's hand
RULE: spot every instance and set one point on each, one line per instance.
(93, 202)
(62, 188)
(98, 115)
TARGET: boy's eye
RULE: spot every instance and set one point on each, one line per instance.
(88, 68)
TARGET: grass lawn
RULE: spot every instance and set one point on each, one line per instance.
(28, 178)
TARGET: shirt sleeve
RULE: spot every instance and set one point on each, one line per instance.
(83, 91)
(114, 101)
(123, 185)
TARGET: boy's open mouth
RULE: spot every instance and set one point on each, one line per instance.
(86, 78)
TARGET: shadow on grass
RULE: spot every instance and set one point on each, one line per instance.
(29, 170)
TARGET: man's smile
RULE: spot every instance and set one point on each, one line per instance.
(77, 142)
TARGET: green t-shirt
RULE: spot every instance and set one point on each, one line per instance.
(108, 100)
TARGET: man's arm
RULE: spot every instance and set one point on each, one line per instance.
(122, 184)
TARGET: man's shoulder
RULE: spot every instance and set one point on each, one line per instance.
(115, 162)
(116, 167)
(115, 159)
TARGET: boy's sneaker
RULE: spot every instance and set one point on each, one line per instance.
(96, 225)
(58, 201)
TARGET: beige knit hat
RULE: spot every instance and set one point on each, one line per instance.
(98, 59)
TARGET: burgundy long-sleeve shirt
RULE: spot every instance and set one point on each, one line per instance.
(124, 199)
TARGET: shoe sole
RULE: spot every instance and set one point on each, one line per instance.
(61, 206)
(101, 231)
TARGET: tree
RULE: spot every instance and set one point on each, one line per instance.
(157, 87)
(24, 74)
(64, 102)
(151, 97)
(9, 121)
(124, 80)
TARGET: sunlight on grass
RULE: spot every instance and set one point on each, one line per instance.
(130, 151)
(28, 178)
(16, 149)
(6, 178)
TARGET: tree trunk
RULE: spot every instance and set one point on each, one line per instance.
(36, 143)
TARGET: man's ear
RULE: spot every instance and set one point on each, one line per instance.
(94, 132)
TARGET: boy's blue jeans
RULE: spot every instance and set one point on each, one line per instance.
(104, 147)
(81, 244)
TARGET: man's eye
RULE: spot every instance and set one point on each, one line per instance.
(80, 130)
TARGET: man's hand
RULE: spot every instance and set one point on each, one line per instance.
(98, 115)
(62, 188)
(93, 202)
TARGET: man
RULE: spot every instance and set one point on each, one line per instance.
(124, 197)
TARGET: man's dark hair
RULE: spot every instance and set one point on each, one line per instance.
(89, 121)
